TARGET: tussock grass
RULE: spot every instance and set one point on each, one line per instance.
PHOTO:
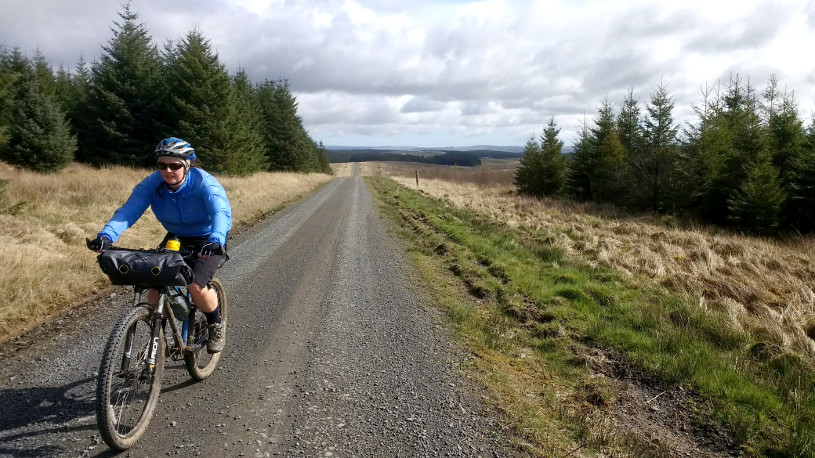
(563, 335)
(492, 172)
(45, 218)
(764, 285)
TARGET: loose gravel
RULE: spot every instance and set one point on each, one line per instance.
(331, 351)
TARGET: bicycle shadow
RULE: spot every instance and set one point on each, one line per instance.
(32, 416)
(176, 377)
(36, 412)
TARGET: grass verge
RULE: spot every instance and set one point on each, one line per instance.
(577, 356)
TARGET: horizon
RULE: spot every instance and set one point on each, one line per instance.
(478, 146)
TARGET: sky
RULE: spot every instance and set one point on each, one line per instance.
(440, 73)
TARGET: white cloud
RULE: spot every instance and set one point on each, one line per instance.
(456, 71)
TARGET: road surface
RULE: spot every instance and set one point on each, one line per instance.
(330, 352)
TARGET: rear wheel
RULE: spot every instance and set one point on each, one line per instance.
(127, 386)
(201, 364)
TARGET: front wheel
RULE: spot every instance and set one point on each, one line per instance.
(127, 386)
(201, 364)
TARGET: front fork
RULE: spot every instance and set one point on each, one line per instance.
(158, 315)
(180, 338)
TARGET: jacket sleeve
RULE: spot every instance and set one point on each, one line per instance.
(219, 209)
(131, 211)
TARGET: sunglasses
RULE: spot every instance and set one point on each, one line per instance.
(171, 165)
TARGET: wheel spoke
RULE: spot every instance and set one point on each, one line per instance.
(128, 392)
(200, 363)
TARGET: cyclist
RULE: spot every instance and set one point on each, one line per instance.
(192, 206)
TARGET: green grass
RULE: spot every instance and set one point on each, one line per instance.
(533, 317)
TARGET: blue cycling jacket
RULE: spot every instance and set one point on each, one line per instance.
(198, 208)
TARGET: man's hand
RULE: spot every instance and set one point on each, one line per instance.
(210, 249)
(99, 244)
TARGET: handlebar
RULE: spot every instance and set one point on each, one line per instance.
(185, 252)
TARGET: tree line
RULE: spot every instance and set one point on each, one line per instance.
(747, 161)
(116, 109)
(460, 158)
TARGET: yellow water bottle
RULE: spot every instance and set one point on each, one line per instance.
(173, 244)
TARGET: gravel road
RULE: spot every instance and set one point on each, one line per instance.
(330, 352)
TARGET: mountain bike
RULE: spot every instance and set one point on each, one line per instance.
(129, 378)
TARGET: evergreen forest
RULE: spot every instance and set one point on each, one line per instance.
(116, 109)
(747, 161)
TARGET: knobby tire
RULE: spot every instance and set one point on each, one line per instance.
(127, 389)
(201, 364)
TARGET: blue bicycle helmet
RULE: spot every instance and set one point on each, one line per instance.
(175, 147)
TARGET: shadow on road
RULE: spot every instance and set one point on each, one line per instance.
(45, 450)
(39, 411)
(58, 405)
(30, 415)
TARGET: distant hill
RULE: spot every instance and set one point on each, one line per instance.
(413, 149)
(462, 156)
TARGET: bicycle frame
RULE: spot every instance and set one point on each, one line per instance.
(129, 378)
(181, 337)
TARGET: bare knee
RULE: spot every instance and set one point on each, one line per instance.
(203, 297)
(196, 289)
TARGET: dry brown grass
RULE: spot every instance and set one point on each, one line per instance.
(44, 220)
(765, 285)
(490, 173)
(343, 170)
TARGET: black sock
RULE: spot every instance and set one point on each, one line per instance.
(213, 317)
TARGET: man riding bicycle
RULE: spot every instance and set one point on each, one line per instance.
(192, 206)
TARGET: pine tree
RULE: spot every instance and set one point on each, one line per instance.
(741, 115)
(800, 188)
(702, 155)
(202, 101)
(809, 134)
(580, 166)
(609, 168)
(43, 75)
(553, 173)
(785, 131)
(39, 136)
(246, 147)
(72, 94)
(15, 72)
(729, 143)
(629, 125)
(63, 87)
(748, 155)
(15, 63)
(5, 122)
(125, 108)
(653, 165)
(35, 132)
(529, 170)
(7, 79)
(324, 166)
(757, 203)
(289, 146)
(318, 163)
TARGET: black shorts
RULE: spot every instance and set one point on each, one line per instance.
(202, 269)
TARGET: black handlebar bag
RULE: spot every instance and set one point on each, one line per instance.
(145, 267)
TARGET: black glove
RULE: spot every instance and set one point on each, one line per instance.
(211, 249)
(100, 243)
